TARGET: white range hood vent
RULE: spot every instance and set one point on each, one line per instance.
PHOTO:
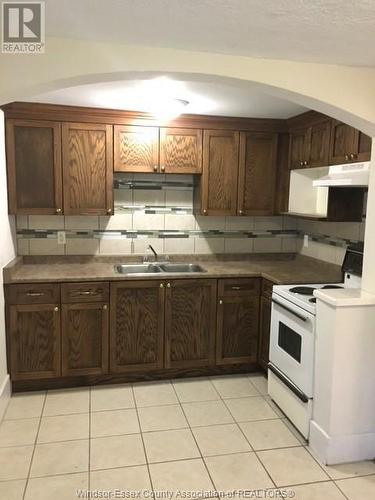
(347, 175)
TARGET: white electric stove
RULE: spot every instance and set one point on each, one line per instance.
(292, 341)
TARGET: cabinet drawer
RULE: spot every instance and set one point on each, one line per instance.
(33, 293)
(267, 288)
(243, 286)
(84, 292)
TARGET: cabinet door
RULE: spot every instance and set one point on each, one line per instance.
(319, 144)
(34, 341)
(181, 150)
(87, 169)
(364, 147)
(136, 149)
(34, 167)
(298, 148)
(190, 323)
(264, 337)
(237, 330)
(137, 326)
(344, 141)
(85, 339)
(257, 173)
(220, 172)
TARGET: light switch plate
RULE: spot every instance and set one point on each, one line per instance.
(61, 237)
(306, 240)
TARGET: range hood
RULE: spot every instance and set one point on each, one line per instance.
(347, 175)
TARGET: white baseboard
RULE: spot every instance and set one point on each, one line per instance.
(5, 393)
(341, 449)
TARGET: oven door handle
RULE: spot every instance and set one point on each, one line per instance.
(297, 392)
(303, 318)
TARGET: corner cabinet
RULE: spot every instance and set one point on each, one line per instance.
(87, 169)
(348, 144)
(257, 173)
(34, 167)
(237, 321)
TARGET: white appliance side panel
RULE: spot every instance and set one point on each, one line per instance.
(298, 412)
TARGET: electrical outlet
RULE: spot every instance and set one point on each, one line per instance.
(306, 240)
(61, 237)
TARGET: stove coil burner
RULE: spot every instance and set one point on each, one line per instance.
(302, 290)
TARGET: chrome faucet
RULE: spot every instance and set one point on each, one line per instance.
(153, 251)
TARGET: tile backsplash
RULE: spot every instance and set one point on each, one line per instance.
(158, 210)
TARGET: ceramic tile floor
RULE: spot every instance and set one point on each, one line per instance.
(204, 434)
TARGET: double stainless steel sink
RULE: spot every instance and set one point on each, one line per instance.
(155, 268)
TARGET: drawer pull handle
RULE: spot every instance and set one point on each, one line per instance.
(87, 292)
(35, 294)
(236, 288)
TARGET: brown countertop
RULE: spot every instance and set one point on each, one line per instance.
(279, 268)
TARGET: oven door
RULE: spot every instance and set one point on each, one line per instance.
(292, 343)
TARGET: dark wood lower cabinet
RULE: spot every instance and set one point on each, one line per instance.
(135, 329)
(137, 326)
(190, 314)
(85, 339)
(237, 321)
(34, 341)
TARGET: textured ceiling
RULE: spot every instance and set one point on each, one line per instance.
(328, 31)
(203, 97)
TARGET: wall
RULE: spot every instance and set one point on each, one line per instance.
(346, 93)
(7, 246)
(158, 210)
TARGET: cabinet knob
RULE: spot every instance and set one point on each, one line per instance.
(155, 168)
(109, 210)
(301, 163)
(56, 309)
(168, 285)
(305, 163)
(161, 285)
(204, 212)
(58, 210)
(162, 168)
(346, 157)
(105, 307)
(240, 212)
(352, 156)
(220, 302)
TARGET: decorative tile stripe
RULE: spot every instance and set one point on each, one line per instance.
(163, 233)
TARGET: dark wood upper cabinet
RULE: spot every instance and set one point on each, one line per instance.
(87, 168)
(298, 148)
(344, 140)
(237, 321)
(136, 149)
(257, 173)
(319, 136)
(34, 341)
(220, 172)
(181, 150)
(190, 323)
(364, 147)
(34, 167)
(137, 326)
(85, 329)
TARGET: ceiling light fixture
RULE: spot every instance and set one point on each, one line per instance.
(167, 109)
